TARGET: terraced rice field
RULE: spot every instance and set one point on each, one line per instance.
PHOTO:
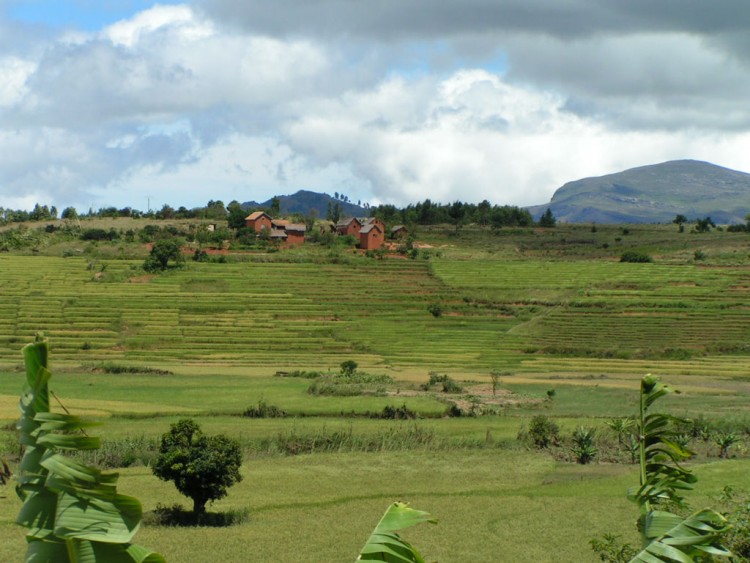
(529, 316)
(284, 315)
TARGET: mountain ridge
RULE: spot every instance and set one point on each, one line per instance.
(654, 193)
(303, 201)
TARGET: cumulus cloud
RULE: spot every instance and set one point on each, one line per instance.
(391, 102)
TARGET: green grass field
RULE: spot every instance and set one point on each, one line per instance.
(551, 310)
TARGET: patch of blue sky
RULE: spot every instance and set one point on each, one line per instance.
(84, 15)
(439, 57)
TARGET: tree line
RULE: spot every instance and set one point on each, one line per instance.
(457, 213)
(424, 212)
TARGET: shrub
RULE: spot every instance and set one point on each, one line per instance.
(300, 373)
(99, 234)
(202, 467)
(543, 432)
(450, 386)
(436, 310)
(454, 411)
(348, 368)
(264, 410)
(636, 257)
(397, 413)
(583, 445)
(725, 440)
(110, 367)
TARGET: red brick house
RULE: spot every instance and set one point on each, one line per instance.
(295, 233)
(258, 221)
(350, 226)
(371, 237)
(373, 220)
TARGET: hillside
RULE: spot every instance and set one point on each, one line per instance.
(305, 201)
(655, 194)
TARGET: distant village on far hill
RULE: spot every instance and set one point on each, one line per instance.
(369, 231)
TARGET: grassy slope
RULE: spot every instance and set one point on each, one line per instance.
(516, 506)
(555, 309)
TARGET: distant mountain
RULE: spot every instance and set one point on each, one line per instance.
(654, 194)
(304, 201)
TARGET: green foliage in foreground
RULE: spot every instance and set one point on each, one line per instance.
(384, 544)
(73, 512)
(667, 536)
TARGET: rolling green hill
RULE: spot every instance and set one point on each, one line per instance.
(655, 194)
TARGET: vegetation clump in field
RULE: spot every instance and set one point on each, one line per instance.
(396, 413)
(264, 410)
(110, 367)
(445, 382)
(542, 433)
(634, 256)
(303, 374)
(348, 382)
(400, 438)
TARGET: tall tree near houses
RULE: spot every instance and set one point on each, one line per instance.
(275, 209)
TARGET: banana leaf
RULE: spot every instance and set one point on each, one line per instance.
(73, 512)
(676, 539)
(384, 544)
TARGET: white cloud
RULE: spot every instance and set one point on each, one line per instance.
(14, 72)
(175, 18)
(387, 104)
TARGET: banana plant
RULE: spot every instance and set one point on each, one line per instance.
(668, 537)
(384, 544)
(73, 512)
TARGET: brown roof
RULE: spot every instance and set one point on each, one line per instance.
(345, 222)
(256, 215)
(277, 234)
(279, 222)
(296, 227)
(397, 228)
(370, 226)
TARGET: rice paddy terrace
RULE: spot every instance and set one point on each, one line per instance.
(532, 315)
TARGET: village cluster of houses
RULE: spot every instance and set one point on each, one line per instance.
(370, 231)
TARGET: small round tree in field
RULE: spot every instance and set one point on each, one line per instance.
(202, 467)
(163, 252)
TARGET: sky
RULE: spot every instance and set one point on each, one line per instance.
(140, 104)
